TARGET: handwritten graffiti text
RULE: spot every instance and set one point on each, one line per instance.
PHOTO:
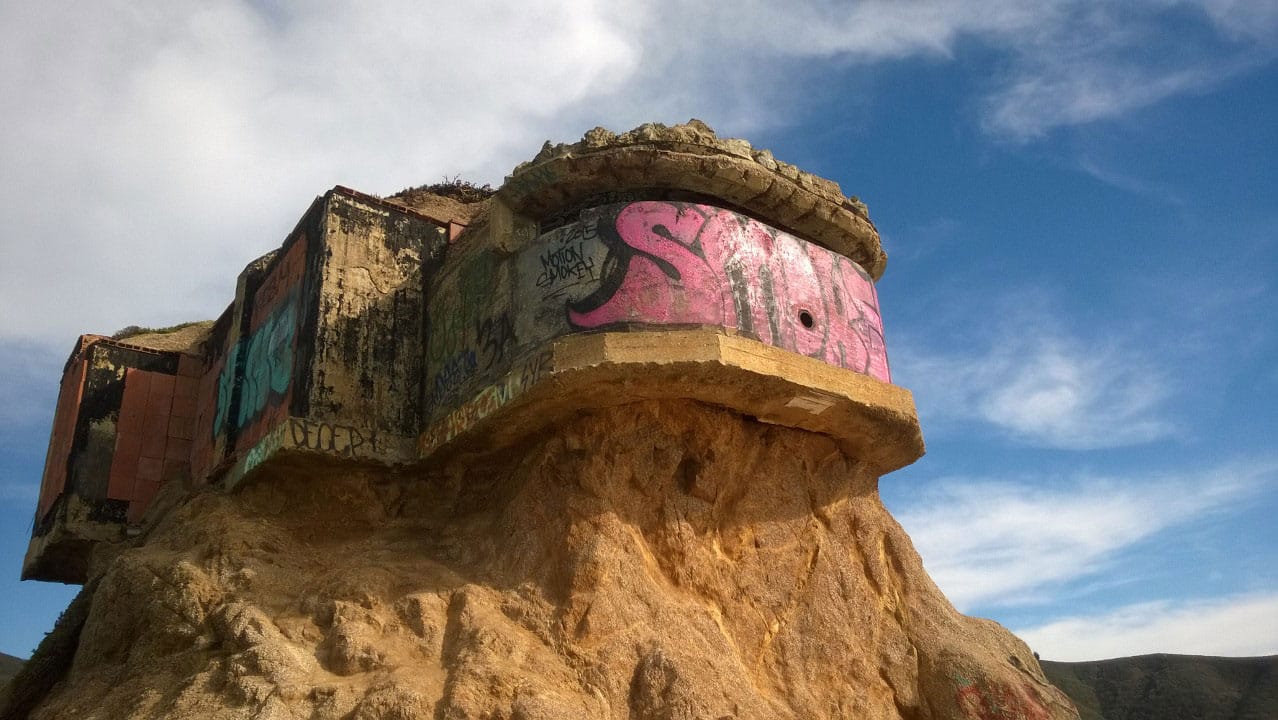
(324, 437)
(488, 401)
(565, 264)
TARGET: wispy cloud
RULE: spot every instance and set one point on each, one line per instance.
(1040, 385)
(1101, 61)
(1101, 171)
(1000, 543)
(1061, 91)
(1066, 62)
(1235, 626)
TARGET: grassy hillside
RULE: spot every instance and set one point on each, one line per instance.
(1171, 687)
(9, 666)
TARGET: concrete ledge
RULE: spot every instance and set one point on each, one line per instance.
(874, 422)
(297, 438)
(63, 553)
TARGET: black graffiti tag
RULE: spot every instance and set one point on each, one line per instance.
(337, 439)
(567, 262)
(493, 336)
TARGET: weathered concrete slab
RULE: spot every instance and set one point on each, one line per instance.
(325, 329)
(120, 430)
(873, 421)
(329, 333)
(643, 264)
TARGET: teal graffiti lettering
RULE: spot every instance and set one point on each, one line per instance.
(268, 365)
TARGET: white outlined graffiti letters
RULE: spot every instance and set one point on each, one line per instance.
(268, 363)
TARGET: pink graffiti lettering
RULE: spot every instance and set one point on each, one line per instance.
(684, 264)
(667, 280)
(997, 702)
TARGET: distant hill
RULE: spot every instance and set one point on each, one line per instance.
(9, 666)
(1170, 687)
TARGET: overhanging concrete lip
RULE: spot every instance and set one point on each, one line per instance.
(789, 204)
(63, 552)
(306, 441)
(875, 422)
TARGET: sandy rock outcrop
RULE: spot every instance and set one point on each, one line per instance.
(656, 561)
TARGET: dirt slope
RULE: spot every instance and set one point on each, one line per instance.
(9, 666)
(652, 561)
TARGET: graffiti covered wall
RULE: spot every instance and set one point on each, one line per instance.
(373, 334)
(367, 339)
(268, 349)
(671, 263)
(469, 330)
(212, 407)
(643, 264)
(118, 420)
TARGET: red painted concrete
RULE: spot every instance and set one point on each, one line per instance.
(128, 436)
(64, 421)
(153, 445)
(203, 445)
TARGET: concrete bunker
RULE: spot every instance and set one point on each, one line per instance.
(660, 263)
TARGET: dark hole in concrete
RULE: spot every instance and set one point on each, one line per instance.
(805, 317)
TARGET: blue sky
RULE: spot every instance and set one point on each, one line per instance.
(1078, 201)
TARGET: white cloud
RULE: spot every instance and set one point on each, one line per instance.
(1245, 625)
(1247, 19)
(1002, 543)
(1036, 102)
(151, 150)
(1116, 178)
(1101, 61)
(1067, 62)
(1040, 385)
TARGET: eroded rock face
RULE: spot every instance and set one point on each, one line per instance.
(655, 560)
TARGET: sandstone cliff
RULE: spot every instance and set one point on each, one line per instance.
(659, 560)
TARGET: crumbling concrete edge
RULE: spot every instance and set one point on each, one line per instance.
(871, 420)
(690, 157)
(297, 438)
